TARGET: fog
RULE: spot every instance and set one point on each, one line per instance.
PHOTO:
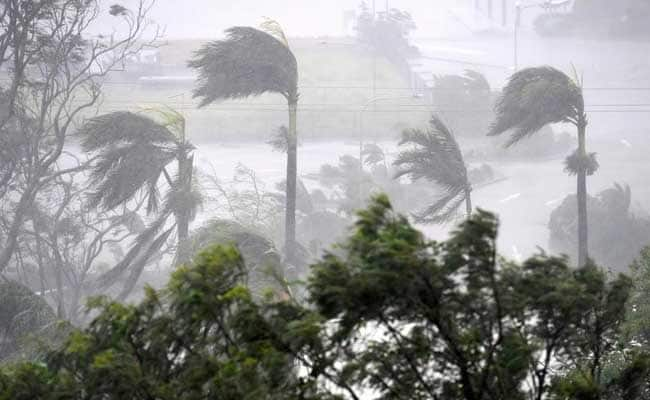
(138, 133)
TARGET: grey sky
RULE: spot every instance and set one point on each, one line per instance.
(208, 18)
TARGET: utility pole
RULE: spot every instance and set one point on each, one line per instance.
(374, 50)
(489, 9)
(504, 13)
(516, 37)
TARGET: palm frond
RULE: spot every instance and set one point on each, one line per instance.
(132, 151)
(280, 140)
(248, 62)
(435, 155)
(534, 98)
(618, 198)
(120, 173)
(141, 243)
(171, 119)
(180, 200)
(273, 28)
(372, 154)
(122, 127)
(443, 210)
(576, 163)
(138, 266)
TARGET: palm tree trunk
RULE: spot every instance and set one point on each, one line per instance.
(583, 246)
(468, 202)
(292, 173)
(183, 216)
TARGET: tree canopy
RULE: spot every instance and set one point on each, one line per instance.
(391, 314)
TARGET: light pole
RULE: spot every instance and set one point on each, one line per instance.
(517, 23)
(519, 8)
(364, 108)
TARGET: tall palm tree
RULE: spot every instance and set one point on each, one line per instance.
(133, 154)
(536, 97)
(250, 62)
(435, 155)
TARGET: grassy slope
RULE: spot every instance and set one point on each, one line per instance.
(335, 80)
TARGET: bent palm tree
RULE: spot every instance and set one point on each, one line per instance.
(436, 156)
(536, 97)
(133, 153)
(250, 62)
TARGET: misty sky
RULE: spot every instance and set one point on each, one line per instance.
(208, 18)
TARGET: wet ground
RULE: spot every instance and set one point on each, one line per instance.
(523, 201)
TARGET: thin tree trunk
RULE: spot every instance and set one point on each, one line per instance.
(22, 208)
(468, 202)
(292, 173)
(583, 244)
(185, 181)
(184, 214)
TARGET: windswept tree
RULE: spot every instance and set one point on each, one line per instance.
(434, 155)
(251, 62)
(54, 68)
(536, 97)
(134, 153)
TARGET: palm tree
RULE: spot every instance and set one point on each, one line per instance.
(250, 62)
(436, 156)
(536, 97)
(133, 154)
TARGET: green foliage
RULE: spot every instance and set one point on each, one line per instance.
(453, 306)
(200, 337)
(638, 321)
(24, 317)
(263, 260)
(391, 313)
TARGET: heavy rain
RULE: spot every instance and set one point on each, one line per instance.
(343, 199)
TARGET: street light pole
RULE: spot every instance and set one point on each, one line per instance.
(373, 101)
(517, 23)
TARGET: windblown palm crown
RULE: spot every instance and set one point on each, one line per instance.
(133, 151)
(436, 156)
(249, 62)
(534, 98)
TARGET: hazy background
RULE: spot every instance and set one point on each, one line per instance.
(336, 80)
